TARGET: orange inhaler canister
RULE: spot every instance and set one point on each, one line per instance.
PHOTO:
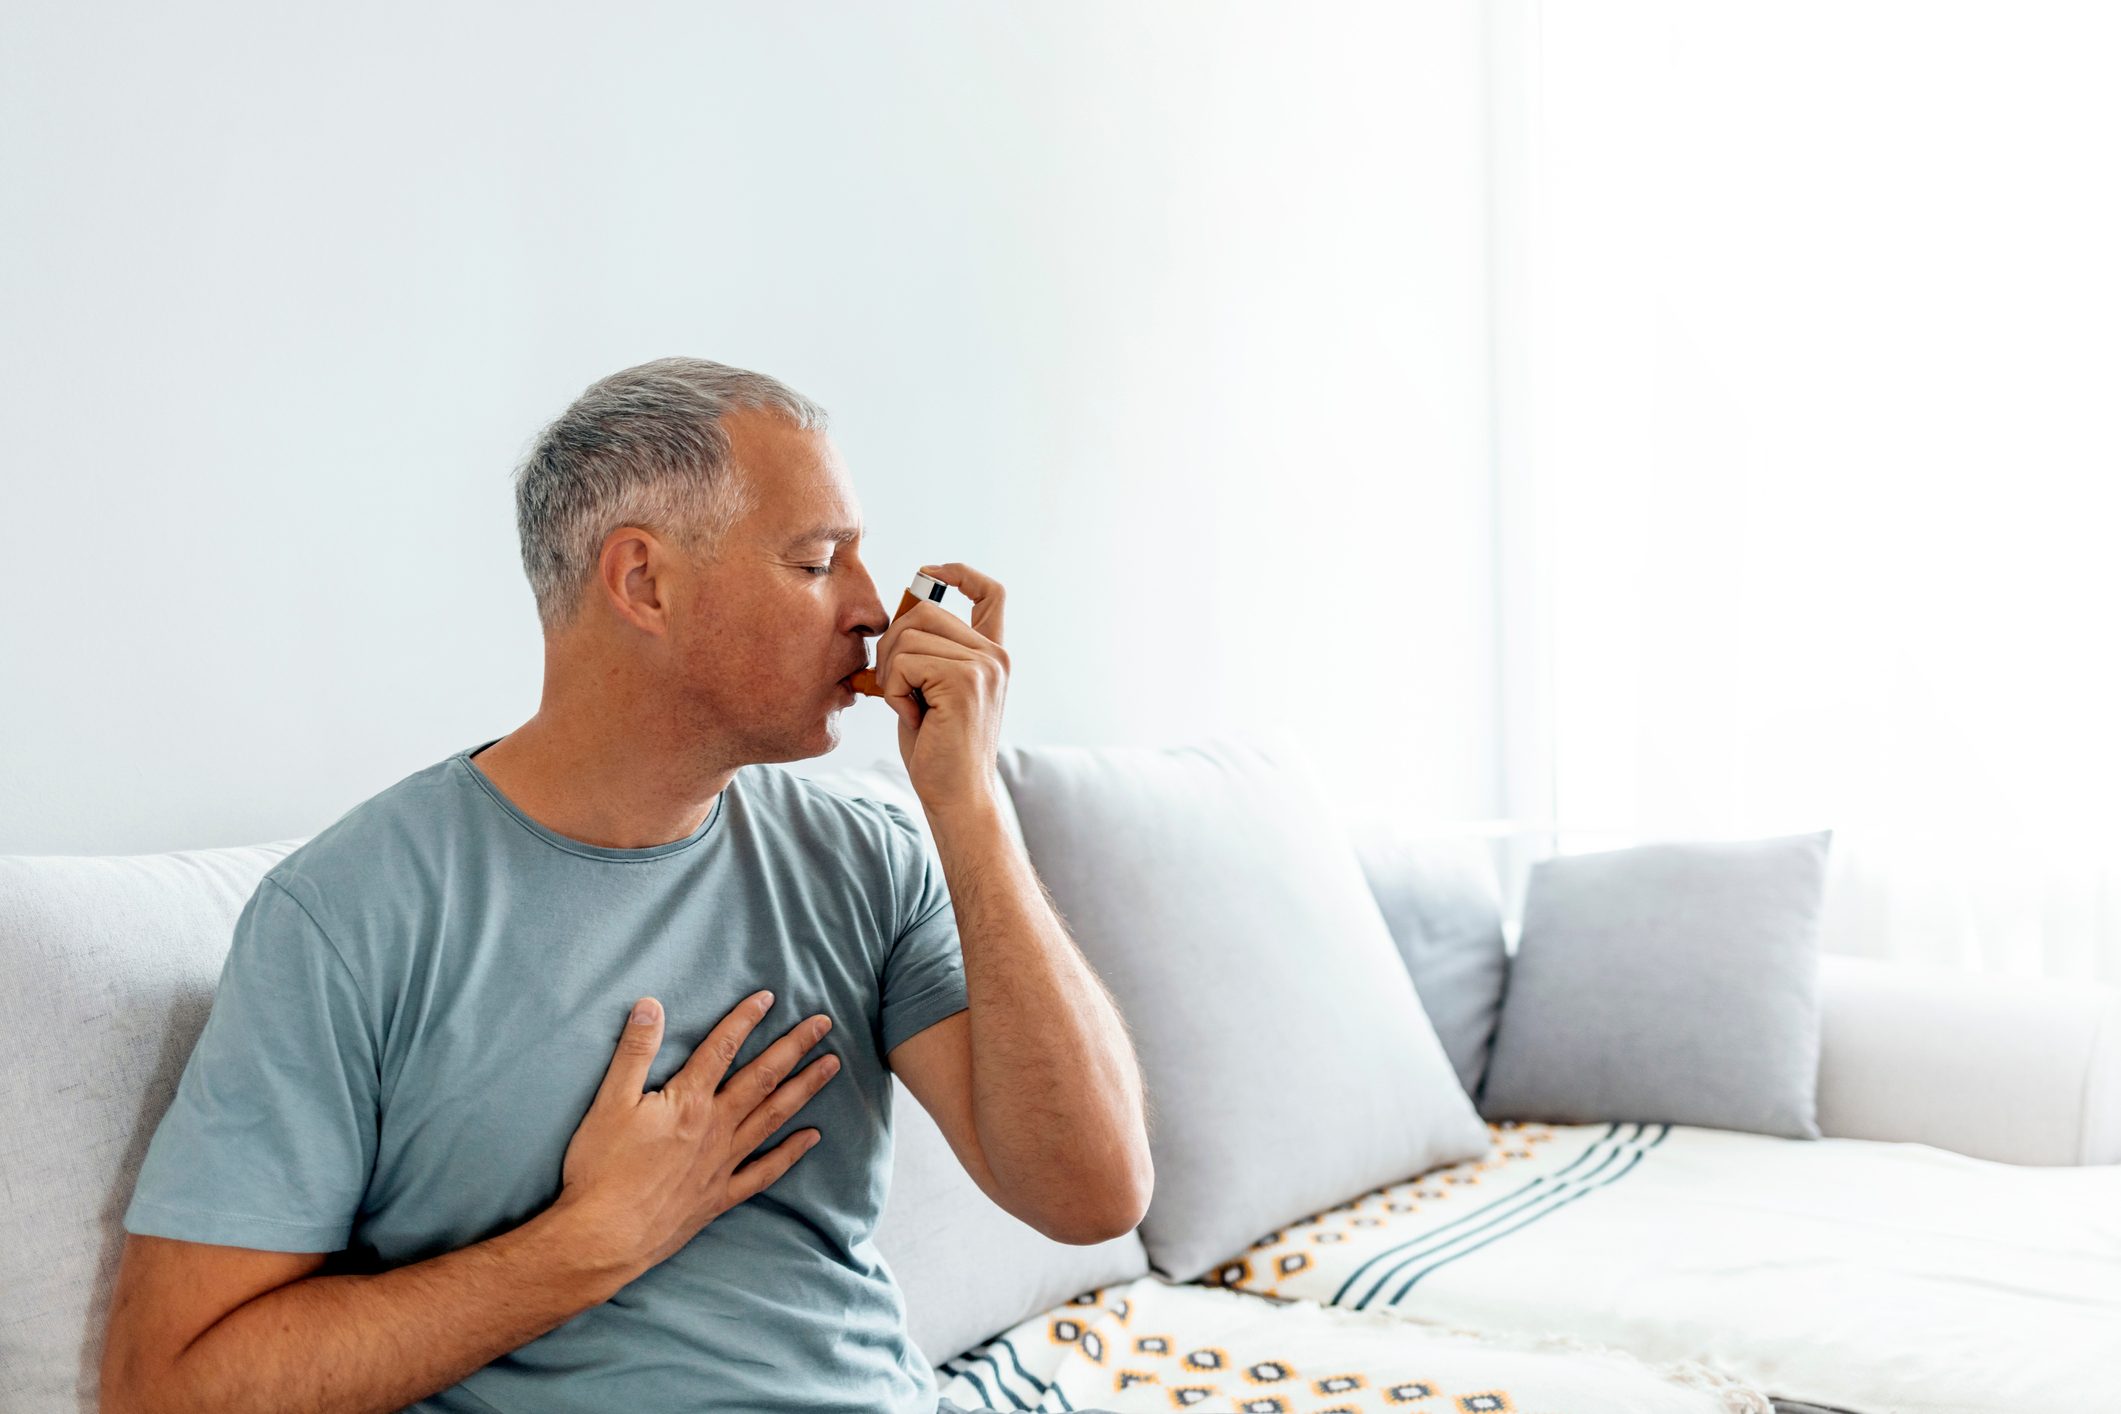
(863, 680)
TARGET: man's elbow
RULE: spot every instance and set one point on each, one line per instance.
(1122, 1207)
(1104, 1232)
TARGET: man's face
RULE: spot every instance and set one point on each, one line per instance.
(763, 633)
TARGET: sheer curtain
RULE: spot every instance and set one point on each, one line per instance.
(1809, 321)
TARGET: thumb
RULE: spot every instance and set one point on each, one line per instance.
(627, 1074)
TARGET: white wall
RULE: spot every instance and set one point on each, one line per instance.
(1192, 295)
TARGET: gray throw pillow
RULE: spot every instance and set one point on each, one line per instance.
(1442, 901)
(1289, 1063)
(1673, 982)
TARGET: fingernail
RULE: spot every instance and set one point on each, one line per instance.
(643, 1012)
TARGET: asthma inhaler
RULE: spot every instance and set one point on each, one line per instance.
(863, 680)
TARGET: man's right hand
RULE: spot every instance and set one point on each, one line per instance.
(646, 1171)
(203, 1326)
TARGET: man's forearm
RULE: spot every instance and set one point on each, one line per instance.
(371, 1344)
(1057, 1092)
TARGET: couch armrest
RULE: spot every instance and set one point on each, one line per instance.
(2023, 1070)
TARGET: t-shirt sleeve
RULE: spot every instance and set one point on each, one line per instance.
(924, 972)
(271, 1138)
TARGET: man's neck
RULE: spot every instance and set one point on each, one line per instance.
(614, 790)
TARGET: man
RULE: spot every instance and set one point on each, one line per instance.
(410, 1060)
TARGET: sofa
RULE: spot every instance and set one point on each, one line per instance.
(1339, 1223)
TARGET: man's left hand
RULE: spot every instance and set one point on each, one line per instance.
(962, 673)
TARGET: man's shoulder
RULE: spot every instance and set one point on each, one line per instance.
(375, 843)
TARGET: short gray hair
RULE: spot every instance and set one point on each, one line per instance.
(643, 447)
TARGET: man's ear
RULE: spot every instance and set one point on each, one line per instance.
(630, 578)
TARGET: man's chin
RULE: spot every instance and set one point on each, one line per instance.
(830, 733)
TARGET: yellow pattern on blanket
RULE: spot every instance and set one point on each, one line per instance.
(1152, 1345)
(1312, 1257)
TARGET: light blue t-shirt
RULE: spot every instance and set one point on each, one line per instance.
(420, 1002)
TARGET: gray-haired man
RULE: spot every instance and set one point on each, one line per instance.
(410, 1060)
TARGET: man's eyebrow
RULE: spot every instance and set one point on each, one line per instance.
(837, 534)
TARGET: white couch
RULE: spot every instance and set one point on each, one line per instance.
(110, 965)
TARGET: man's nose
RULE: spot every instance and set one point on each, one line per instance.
(873, 620)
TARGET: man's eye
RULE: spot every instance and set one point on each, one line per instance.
(818, 569)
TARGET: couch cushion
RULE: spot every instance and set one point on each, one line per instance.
(1675, 981)
(968, 1267)
(1289, 1062)
(1441, 899)
(107, 970)
(2022, 1070)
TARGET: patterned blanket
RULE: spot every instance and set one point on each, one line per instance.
(1855, 1274)
(1153, 1345)
(1851, 1274)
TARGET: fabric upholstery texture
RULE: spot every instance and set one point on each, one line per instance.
(108, 966)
